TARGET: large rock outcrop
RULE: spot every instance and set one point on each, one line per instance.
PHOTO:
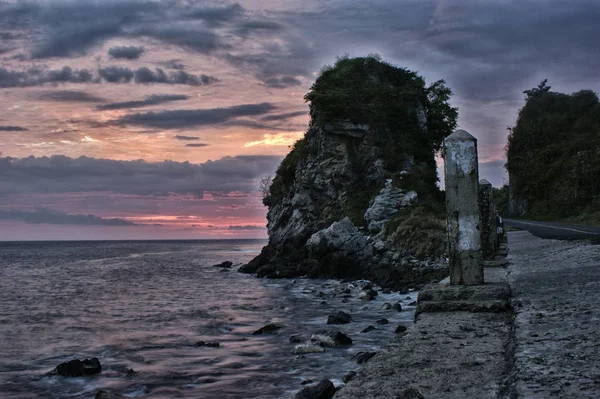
(355, 195)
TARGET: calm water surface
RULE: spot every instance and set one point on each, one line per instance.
(144, 305)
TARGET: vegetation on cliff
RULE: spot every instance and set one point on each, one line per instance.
(407, 120)
(553, 153)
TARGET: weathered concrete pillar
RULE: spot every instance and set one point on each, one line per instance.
(487, 209)
(462, 208)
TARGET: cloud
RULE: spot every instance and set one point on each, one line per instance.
(61, 174)
(197, 145)
(126, 52)
(282, 82)
(199, 117)
(38, 76)
(280, 117)
(12, 129)
(246, 227)
(51, 216)
(216, 14)
(154, 99)
(186, 138)
(69, 96)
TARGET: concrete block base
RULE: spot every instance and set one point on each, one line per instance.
(491, 297)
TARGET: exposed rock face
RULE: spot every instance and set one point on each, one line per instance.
(389, 200)
(335, 196)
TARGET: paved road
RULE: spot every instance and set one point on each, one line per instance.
(559, 231)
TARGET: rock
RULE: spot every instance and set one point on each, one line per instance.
(78, 368)
(413, 303)
(209, 344)
(102, 394)
(367, 295)
(386, 306)
(411, 393)
(367, 287)
(363, 357)
(337, 174)
(323, 390)
(400, 329)
(339, 318)
(385, 205)
(331, 339)
(307, 348)
(268, 329)
(340, 242)
(368, 329)
(397, 307)
(386, 291)
(382, 321)
(296, 339)
(225, 264)
(349, 376)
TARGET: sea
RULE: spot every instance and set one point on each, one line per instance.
(141, 307)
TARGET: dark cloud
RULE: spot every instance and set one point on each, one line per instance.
(216, 14)
(199, 117)
(282, 83)
(126, 52)
(154, 99)
(12, 129)
(281, 117)
(199, 145)
(69, 96)
(61, 174)
(186, 138)
(245, 28)
(51, 216)
(39, 76)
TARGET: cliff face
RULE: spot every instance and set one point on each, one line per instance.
(356, 197)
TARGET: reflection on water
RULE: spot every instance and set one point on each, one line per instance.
(144, 305)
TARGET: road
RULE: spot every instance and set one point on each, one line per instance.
(559, 231)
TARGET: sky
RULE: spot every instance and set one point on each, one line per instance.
(140, 119)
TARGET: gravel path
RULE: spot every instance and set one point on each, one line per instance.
(556, 295)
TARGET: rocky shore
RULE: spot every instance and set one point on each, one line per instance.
(545, 346)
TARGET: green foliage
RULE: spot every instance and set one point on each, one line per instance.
(501, 199)
(420, 230)
(553, 152)
(366, 90)
(286, 173)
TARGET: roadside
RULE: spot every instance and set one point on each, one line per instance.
(547, 348)
(557, 332)
(556, 230)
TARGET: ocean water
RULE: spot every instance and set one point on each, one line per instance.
(144, 305)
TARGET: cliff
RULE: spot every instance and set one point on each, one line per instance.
(553, 156)
(357, 196)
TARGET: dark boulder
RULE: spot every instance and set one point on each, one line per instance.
(227, 264)
(78, 368)
(268, 329)
(102, 394)
(349, 376)
(368, 329)
(363, 357)
(339, 318)
(209, 344)
(382, 321)
(400, 329)
(331, 339)
(322, 390)
(397, 307)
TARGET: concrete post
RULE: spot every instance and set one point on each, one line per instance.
(487, 207)
(462, 208)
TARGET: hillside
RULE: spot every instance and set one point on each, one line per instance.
(553, 155)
